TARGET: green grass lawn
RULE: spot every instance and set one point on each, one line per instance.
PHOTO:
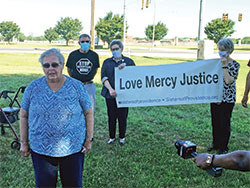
(149, 158)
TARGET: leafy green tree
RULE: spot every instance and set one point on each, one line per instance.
(30, 37)
(68, 28)
(21, 37)
(246, 40)
(50, 34)
(218, 29)
(110, 27)
(160, 31)
(9, 30)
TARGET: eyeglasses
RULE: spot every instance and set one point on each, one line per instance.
(87, 41)
(114, 49)
(47, 65)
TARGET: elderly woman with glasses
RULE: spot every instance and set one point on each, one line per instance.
(221, 112)
(56, 124)
(109, 93)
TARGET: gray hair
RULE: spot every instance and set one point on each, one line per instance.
(53, 51)
(84, 35)
(227, 43)
(118, 42)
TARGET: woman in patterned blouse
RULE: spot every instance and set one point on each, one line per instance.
(221, 112)
(56, 124)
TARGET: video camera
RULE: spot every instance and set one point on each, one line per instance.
(187, 149)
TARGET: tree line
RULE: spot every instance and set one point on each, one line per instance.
(111, 27)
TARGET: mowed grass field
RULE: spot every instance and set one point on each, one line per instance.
(149, 159)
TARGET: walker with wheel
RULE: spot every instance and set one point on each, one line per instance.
(9, 114)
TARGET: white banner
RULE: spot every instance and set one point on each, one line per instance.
(171, 84)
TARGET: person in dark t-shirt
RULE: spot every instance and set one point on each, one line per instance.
(82, 64)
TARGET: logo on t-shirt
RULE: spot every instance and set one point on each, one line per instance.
(84, 66)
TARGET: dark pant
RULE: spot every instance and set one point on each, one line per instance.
(115, 113)
(46, 170)
(221, 117)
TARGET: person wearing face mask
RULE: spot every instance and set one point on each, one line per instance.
(221, 112)
(109, 93)
(82, 64)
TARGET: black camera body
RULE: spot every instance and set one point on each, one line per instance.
(187, 149)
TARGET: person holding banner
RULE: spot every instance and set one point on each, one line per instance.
(109, 93)
(247, 89)
(221, 112)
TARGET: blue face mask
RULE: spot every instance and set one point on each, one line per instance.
(117, 53)
(223, 54)
(85, 46)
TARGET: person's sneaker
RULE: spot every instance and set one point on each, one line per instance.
(122, 141)
(111, 141)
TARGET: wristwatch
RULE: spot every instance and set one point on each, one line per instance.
(89, 139)
(209, 160)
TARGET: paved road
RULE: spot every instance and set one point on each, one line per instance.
(175, 53)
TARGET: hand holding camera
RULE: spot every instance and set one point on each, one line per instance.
(187, 149)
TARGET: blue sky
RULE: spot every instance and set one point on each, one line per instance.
(180, 16)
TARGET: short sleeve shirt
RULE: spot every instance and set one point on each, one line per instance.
(56, 120)
(229, 90)
(83, 65)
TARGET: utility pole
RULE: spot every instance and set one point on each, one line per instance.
(153, 38)
(124, 25)
(92, 28)
(200, 49)
(200, 32)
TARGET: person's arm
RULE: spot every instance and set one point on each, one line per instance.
(129, 62)
(89, 119)
(112, 92)
(25, 150)
(105, 80)
(69, 71)
(246, 92)
(226, 76)
(237, 160)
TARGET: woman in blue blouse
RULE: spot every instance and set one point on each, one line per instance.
(108, 91)
(56, 124)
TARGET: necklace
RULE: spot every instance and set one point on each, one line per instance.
(55, 86)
